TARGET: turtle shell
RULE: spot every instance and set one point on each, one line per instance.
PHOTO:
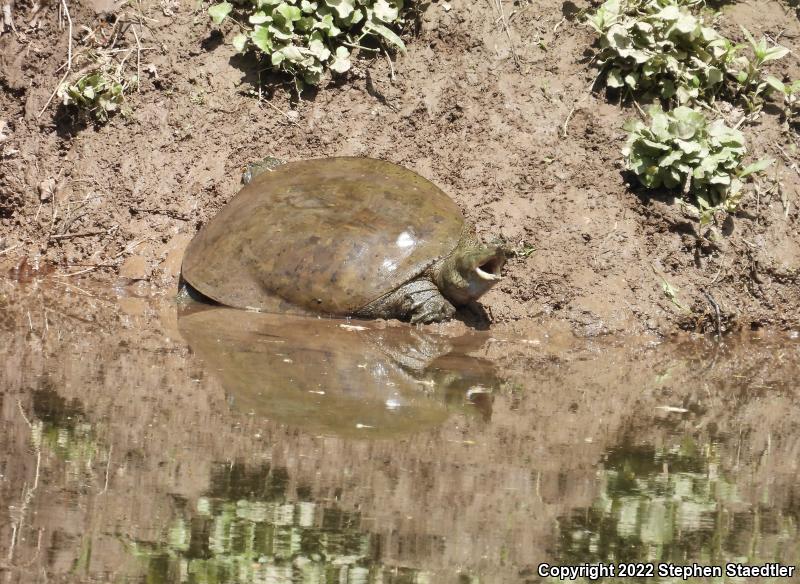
(328, 235)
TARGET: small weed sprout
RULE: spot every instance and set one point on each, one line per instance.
(672, 294)
(307, 39)
(681, 150)
(750, 73)
(98, 89)
(790, 92)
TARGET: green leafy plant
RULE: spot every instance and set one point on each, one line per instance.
(680, 149)
(99, 92)
(750, 74)
(664, 50)
(660, 47)
(306, 38)
(790, 92)
(671, 292)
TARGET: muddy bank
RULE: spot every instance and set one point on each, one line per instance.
(121, 200)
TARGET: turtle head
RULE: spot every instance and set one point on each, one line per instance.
(470, 271)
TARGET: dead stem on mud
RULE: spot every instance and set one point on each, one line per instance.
(279, 110)
(498, 5)
(9, 248)
(586, 94)
(138, 60)
(82, 234)
(789, 161)
(105, 60)
(132, 246)
(718, 320)
(68, 70)
(391, 66)
(79, 272)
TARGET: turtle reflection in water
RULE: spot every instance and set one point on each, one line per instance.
(342, 237)
(333, 377)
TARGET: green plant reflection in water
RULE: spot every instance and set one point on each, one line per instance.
(245, 530)
(60, 426)
(675, 504)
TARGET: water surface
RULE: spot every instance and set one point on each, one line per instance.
(225, 446)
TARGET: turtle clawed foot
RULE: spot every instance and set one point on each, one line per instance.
(434, 310)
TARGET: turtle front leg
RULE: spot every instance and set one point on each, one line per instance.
(435, 309)
(418, 301)
(253, 169)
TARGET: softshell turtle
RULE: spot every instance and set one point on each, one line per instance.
(344, 237)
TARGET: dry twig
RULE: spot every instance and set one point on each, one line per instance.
(499, 5)
(69, 59)
(715, 306)
(391, 66)
(792, 164)
(81, 234)
(577, 103)
(9, 248)
(276, 108)
(79, 272)
(132, 246)
(138, 60)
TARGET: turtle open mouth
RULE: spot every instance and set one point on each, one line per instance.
(490, 269)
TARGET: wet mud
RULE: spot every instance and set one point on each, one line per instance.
(143, 443)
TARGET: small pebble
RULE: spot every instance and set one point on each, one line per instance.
(46, 189)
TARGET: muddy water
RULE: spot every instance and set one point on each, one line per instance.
(222, 446)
